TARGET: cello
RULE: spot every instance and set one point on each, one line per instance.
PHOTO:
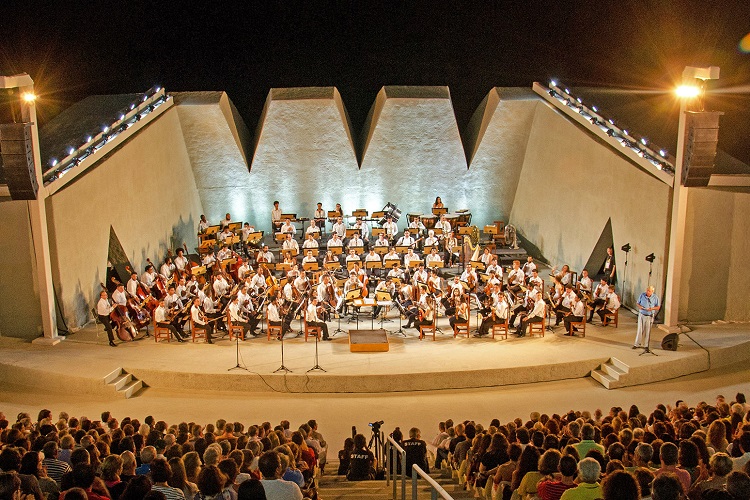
(146, 299)
(159, 282)
(142, 316)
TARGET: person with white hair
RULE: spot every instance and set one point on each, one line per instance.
(588, 487)
(648, 306)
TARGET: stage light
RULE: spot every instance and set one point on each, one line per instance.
(553, 83)
(122, 116)
(88, 138)
(644, 141)
(567, 91)
(132, 106)
(53, 162)
(687, 91)
(594, 109)
(28, 97)
(105, 129)
(626, 247)
(662, 152)
(71, 150)
(610, 132)
(650, 257)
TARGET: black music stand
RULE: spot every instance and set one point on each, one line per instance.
(282, 368)
(400, 312)
(238, 366)
(317, 365)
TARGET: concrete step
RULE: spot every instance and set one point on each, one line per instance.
(603, 378)
(612, 370)
(124, 383)
(619, 364)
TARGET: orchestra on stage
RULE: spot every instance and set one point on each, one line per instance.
(331, 266)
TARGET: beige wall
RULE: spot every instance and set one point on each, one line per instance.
(717, 250)
(145, 190)
(571, 184)
(19, 295)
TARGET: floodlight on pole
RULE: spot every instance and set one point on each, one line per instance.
(687, 91)
(28, 97)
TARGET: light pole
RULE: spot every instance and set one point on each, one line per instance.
(691, 90)
(37, 211)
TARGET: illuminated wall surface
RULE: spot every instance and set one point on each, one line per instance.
(519, 160)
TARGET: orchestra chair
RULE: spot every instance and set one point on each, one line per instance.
(234, 329)
(461, 328)
(160, 332)
(274, 328)
(197, 331)
(500, 236)
(614, 315)
(428, 328)
(310, 330)
(97, 322)
(501, 329)
(538, 326)
(581, 325)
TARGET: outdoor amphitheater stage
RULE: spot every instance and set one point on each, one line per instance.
(81, 363)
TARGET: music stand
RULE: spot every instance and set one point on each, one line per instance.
(350, 297)
(336, 250)
(402, 249)
(310, 266)
(283, 267)
(383, 299)
(212, 230)
(478, 265)
(381, 250)
(255, 237)
(378, 215)
(238, 366)
(198, 270)
(436, 264)
(438, 231)
(491, 230)
(415, 263)
(360, 212)
(377, 231)
(439, 211)
(279, 237)
(332, 266)
(351, 263)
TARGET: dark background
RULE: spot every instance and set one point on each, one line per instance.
(73, 50)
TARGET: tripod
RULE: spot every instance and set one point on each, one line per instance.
(400, 312)
(317, 366)
(282, 368)
(238, 366)
(376, 439)
(625, 274)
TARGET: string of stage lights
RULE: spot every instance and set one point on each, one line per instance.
(641, 146)
(93, 142)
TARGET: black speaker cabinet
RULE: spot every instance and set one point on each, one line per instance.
(670, 342)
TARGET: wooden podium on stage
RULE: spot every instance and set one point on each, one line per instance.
(368, 341)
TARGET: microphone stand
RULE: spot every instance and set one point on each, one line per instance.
(238, 366)
(282, 367)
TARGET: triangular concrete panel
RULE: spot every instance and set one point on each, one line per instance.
(599, 253)
(411, 143)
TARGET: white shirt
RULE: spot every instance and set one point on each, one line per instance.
(319, 214)
(273, 313)
(340, 229)
(288, 228)
(356, 242)
(390, 228)
(278, 489)
(501, 309)
(267, 256)
(234, 312)
(364, 231)
(202, 225)
(372, 257)
(290, 245)
(528, 267)
(119, 298)
(444, 225)
(614, 301)
(430, 241)
(405, 241)
(381, 241)
(313, 243)
(132, 287)
(103, 308)
(568, 298)
(166, 270)
(601, 291)
(515, 277)
(586, 283)
(312, 314)
(578, 309)
(148, 279)
(220, 286)
(335, 242)
(538, 310)
(160, 314)
(433, 257)
(172, 301)
(195, 314)
(276, 214)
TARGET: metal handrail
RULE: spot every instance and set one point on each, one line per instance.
(436, 490)
(391, 446)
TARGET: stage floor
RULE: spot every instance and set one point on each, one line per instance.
(81, 362)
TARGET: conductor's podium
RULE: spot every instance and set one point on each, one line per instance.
(368, 341)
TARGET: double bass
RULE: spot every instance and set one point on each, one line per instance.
(161, 286)
(146, 299)
(126, 331)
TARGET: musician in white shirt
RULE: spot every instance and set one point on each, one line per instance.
(585, 282)
(335, 241)
(352, 256)
(119, 297)
(309, 258)
(225, 233)
(535, 280)
(265, 255)
(356, 241)
(132, 286)
(288, 227)
(381, 241)
(494, 267)
(444, 225)
(576, 314)
(528, 266)
(500, 310)
(420, 276)
(469, 276)
(290, 244)
(600, 297)
(243, 270)
(372, 256)
(203, 224)
(406, 240)
(416, 225)
(274, 317)
(180, 262)
(409, 257)
(486, 257)
(312, 229)
(431, 240)
(391, 257)
(310, 242)
(320, 214)
(515, 277)
(103, 310)
(276, 216)
(221, 288)
(364, 230)
(162, 321)
(612, 303)
(396, 272)
(565, 304)
(200, 319)
(339, 227)
(390, 228)
(312, 319)
(451, 242)
(536, 314)
(237, 315)
(149, 278)
(433, 258)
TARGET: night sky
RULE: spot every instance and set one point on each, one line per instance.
(86, 48)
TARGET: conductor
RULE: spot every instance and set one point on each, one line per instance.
(648, 306)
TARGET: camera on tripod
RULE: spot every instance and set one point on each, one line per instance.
(376, 425)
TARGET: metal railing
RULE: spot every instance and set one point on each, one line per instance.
(436, 491)
(391, 467)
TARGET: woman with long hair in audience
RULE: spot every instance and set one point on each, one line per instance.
(111, 470)
(179, 479)
(717, 436)
(307, 453)
(474, 457)
(211, 482)
(689, 459)
(31, 464)
(137, 488)
(620, 485)
(527, 464)
(496, 455)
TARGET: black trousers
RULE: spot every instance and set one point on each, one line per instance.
(323, 327)
(571, 319)
(104, 320)
(177, 333)
(521, 331)
(594, 305)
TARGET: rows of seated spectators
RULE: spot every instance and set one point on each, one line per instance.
(78, 458)
(673, 453)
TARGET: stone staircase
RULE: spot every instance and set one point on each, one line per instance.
(611, 374)
(125, 383)
(333, 487)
